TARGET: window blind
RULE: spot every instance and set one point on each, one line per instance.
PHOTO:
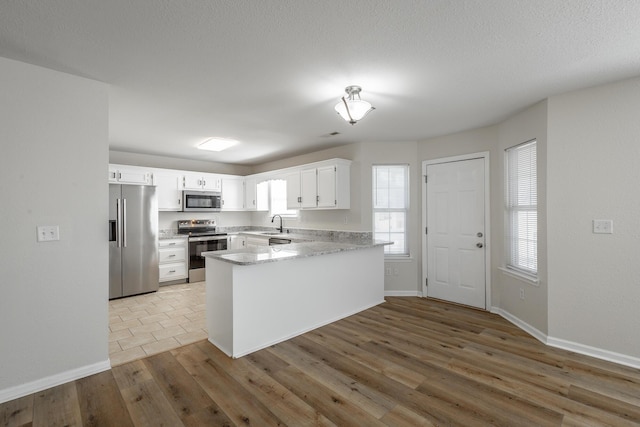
(391, 207)
(522, 207)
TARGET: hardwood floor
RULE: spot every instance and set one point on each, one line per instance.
(408, 362)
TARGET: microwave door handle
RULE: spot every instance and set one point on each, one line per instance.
(118, 224)
(124, 223)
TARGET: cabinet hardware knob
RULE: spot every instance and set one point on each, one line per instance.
(480, 245)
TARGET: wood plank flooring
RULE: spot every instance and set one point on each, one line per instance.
(407, 362)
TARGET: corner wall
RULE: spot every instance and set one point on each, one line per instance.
(53, 303)
(532, 311)
(594, 173)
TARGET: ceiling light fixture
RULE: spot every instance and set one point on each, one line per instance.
(217, 144)
(352, 108)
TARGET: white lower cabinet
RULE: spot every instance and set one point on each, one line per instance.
(236, 242)
(172, 259)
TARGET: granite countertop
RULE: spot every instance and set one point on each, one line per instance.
(261, 254)
(171, 236)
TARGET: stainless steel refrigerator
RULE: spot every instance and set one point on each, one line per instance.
(133, 240)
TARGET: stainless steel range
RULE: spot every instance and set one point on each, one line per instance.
(203, 237)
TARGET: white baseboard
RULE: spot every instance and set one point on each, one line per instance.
(598, 353)
(52, 381)
(534, 332)
(575, 347)
(402, 294)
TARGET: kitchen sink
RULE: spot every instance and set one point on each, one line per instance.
(278, 241)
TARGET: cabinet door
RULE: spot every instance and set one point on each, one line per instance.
(250, 194)
(293, 190)
(327, 187)
(232, 194)
(309, 188)
(236, 242)
(129, 175)
(126, 176)
(211, 182)
(192, 182)
(168, 190)
(113, 175)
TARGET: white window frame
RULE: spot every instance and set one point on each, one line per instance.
(405, 210)
(521, 251)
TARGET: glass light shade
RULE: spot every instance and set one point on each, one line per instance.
(357, 109)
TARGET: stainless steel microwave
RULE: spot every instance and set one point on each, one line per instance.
(201, 201)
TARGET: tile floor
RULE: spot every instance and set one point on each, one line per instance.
(143, 325)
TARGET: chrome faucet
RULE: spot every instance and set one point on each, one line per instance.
(274, 217)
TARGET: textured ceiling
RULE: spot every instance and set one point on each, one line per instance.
(268, 72)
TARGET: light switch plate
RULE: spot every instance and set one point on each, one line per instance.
(48, 233)
(602, 226)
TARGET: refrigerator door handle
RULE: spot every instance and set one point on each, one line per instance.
(118, 224)
(124, 223)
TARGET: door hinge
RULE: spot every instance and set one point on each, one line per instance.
(425, 179)
(426, 282)
(426, 230)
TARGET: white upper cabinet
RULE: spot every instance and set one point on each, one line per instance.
(326, 182)
(308, 188)
(168, 189)
(323, 185)
(294, 195)
(122, 174)
(201, 181)
(232, 194)
(251, 194)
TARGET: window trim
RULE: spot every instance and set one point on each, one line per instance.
(518, 271)
(406, 210)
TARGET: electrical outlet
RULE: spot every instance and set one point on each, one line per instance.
(602, 226)
(48, 233)
(522, 293)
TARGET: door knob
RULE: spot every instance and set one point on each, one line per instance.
(479, 234)
(479, 245)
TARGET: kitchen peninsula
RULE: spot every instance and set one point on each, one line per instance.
(261, 295)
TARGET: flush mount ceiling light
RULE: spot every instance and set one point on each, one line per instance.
(352, 108)
(217, 144)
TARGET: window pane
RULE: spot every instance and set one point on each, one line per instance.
(521, 201)
(262, 196)
(390, 206)
(396, 198)
(278, 198)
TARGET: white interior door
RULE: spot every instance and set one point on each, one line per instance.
(456, 232)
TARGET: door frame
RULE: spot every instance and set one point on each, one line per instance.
(487, 218)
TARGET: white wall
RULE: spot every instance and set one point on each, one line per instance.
(594, 173)
(53, 304)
